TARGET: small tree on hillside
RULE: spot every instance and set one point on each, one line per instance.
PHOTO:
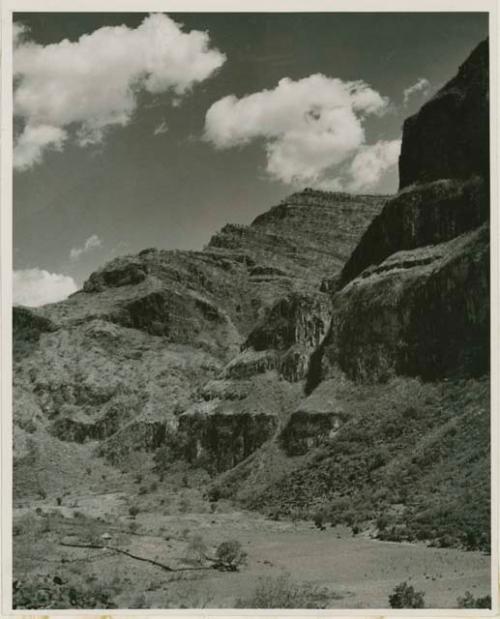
(230, 556)
(405, 596)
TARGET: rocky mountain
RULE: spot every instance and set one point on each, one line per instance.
(449, 136)
(394, 430)
(167, 341)
(330, 360)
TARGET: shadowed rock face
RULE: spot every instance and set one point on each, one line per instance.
(421, 215)
(414, 297)
(28, 326)
(408, 341)
(221, 441)
(419, 313)
(449, 136)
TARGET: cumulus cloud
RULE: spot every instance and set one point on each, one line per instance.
(18, 32)
(92, 84)
(32, 143)
(422, 85)
(311, 128)
(91, 243)
(35, 287)
(371, 163)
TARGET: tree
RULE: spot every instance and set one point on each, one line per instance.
(230, 556)
(405, 596)
(469, 601)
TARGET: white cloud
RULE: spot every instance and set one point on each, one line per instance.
(422, 85)
(371, 162)
(92, 84)
(310, 127)
(18, 32)
(33, 141)
(91, 243)
(35, 287)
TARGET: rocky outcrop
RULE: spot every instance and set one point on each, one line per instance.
(419, 313)
(220, 441)
(292, 329)
(294, 319)
(449, 136)
(307, 430)
(413, 297)
(309, 235)
(28, 326)
(422, 215)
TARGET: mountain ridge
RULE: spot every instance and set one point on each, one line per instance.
(300, 360)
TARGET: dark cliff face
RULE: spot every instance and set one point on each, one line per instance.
(414, 294)
(401, 380)
(449, 136)
(418, 313)
(422, 215)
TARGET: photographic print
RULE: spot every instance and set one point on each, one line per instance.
(251, 310)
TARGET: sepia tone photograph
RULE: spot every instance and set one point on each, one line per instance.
(251, 311)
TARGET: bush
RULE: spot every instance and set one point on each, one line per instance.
(319, 520)
(47, 592)
(280, 592)
(405, 596)
(197, 550)
(184, 505)
(133, 510)
(469, 601)
(133, 527)
(230, 556)
(214, 494)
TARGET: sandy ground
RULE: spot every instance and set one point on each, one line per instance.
(359, 572)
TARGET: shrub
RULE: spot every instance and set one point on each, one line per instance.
(184, 505)
(48, 592)
(139, 601)
(230, 556)
(469, 601)
(280, 592)
(319, 521)
(382, 522)
(133, 510)
(196, 550)
(405, 596)
(214, 494)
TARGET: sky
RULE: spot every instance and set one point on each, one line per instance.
(137, 130)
